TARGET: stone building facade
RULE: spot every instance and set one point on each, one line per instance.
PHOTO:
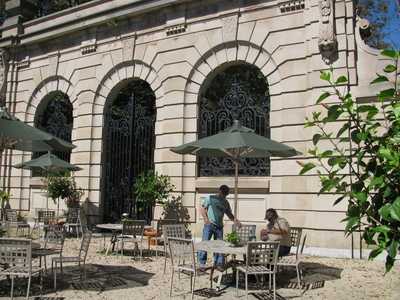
(92, 53)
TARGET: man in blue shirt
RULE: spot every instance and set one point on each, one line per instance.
(213, 209)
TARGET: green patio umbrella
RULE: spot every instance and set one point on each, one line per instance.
(49, 163)
(236, 142)
(18, 135)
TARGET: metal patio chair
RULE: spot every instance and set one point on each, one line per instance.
(293, 260)
(80, 259)
(132, 232)
(261, 259)
(54, 238)
(172, 231)
(245, 232)
(160, 236)
(16, 257)
(43, 219)
(183, 259)
(12, 222)
(74, 221)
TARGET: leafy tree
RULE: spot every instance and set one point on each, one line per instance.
(384, 18)
(362, 162)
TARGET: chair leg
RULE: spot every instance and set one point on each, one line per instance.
(246, 286)
(274, 286)
(29, 287)
(12, 287)
(172, 281)
(193, 286)
(165, 258)
(55, 276)
(298, 276)
(237, 283)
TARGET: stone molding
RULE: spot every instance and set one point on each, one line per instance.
(176, 29)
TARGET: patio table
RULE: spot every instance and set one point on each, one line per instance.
(222, 247)
(115, 229)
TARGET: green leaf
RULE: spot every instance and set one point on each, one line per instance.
(323, 96)
(376, 181)
(386, 153)
(334, 113)
(351, 223)
(325, 75)
(392, 250)
(338, 200)
(381, 229)
(316, 138)
(361, 196)
(327, 153)
(390, 68)
(395, 209)
(341, 79)
(389, 53)
(374, 253)
(307, 167)
(384, 211)
(386, 94)
(344, 128)
(389, 263)
(379, 79)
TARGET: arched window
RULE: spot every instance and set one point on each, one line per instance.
(234, 92)
(128, 146)
(54, 115)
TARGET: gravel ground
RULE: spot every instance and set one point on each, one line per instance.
(115, 277)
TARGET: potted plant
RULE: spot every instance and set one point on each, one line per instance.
(150, 189)
(233, 239)
(63, 186)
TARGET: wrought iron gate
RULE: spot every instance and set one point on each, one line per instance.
(241, 93)
(128, 146)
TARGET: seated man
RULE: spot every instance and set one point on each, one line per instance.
(278, 229)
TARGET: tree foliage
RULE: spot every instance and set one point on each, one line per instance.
(362, 162)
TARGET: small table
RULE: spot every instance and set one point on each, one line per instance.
(115, 229)
(221, 247)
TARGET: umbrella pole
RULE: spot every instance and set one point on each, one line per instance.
(235, 210)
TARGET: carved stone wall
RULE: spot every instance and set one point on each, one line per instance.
(327, 42)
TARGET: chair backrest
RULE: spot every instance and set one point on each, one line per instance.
(133, 227)
(246, 233)
(74, 216)
(16, 252)
(262, 253)
(46, 216)
(182, 251)
(87, 236)
(162, 222)
(174, 231)
(295, 238)
(11, 215)
(54, 238)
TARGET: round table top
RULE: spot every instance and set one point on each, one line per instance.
(117, 227)
(219, 246)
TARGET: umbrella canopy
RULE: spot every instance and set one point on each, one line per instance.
(18, 135)
(236, 142)
(48, 162)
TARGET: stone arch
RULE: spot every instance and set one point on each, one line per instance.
(51, 84)
(123, 71)
(230, 53)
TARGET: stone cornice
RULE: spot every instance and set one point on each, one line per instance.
(85, 16)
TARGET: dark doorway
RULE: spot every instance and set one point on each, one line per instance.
(128, 146)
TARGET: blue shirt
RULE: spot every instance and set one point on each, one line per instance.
(216, 208)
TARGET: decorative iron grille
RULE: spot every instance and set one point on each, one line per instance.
(55, 118)
(47, 7)
(128, 147)
(241, 93)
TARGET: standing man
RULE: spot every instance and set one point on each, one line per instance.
(213, 209)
